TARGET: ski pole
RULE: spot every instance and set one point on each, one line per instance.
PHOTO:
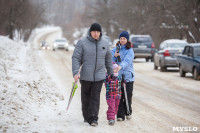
(125, 94)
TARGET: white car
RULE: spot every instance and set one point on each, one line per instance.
(75, 42)
(61, 43)
(114, 43)
(107, 38)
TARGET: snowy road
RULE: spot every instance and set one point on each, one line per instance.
(162, 101)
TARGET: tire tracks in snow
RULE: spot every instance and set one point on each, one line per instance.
(155, 91)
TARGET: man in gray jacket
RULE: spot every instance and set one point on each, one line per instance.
(93, 53)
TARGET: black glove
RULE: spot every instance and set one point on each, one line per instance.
(118, 57)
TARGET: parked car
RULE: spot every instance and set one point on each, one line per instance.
(75, 42)
(61, 43)
(114, 43)
(189, 61)
(167, 52)
(107, 38)
(143, 46)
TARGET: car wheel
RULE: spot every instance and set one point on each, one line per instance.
(155, 67)
(195, 74)
(182, 73)
(163, 68)
(147, 59)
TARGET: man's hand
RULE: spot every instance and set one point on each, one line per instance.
(76, 77)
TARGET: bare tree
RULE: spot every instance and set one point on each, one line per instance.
(19, 15)
(163, 19)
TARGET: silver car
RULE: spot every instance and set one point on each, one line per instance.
(167, 52)
(61, 43)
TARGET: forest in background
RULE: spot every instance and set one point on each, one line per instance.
(162, 19)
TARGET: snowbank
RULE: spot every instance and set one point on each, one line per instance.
(24, 87)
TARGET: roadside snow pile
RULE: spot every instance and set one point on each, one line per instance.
(25, 87)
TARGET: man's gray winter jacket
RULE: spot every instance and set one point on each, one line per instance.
(95, 56)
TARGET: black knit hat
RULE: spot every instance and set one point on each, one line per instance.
(95, 27)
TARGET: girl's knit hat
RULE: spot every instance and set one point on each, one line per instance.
(114, 67)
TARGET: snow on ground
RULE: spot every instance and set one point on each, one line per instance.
(27, 92)
(35, 87)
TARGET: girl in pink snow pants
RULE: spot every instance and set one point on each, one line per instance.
(113, 95)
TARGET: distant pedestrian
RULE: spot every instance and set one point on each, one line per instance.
(124, 55)
(94, 53)
(113, 94)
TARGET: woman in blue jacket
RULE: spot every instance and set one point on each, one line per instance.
(123, 54)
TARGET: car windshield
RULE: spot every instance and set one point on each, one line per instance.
(43, 42)
(197, 52)
(176, 45)
(60, 40)
(140, 39)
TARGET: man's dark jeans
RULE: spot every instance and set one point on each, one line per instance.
(90, 98)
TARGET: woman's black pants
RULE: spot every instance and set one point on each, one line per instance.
(122, 109)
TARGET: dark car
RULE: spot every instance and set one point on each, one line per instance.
(167, 52)
(189, 61)
(143, 46)
(44, 45)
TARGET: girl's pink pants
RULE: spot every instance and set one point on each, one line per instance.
(112, 108)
